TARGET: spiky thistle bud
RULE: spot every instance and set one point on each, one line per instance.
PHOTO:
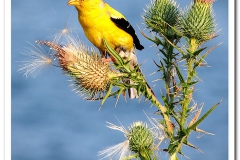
(161, 16)
(91, 76)
(198, 22)
(140, 139)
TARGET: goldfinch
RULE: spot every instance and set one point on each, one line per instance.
(100, 21)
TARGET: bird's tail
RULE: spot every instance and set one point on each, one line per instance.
(132, 92)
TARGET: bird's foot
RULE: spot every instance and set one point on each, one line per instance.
(107, 60)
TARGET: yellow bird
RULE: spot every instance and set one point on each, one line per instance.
(100, 21)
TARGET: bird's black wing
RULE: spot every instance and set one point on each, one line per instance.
(126, 26)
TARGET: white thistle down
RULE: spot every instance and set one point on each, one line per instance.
(119, 151)
(36, 61)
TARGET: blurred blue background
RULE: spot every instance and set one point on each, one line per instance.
(49, 121)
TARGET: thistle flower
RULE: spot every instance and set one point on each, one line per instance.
(91, 76)
(36, 61)
(161, 16)
(141, 141)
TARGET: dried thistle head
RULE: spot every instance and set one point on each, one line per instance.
(91, 76)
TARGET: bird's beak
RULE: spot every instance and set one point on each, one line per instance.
(73, 2)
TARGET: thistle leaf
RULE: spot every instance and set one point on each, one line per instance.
(194, 126)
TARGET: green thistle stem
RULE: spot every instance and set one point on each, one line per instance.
(145, 156)
(193, 45)
(187, 94)
(190, 70)
(112, 75)
(173, 156)
(163, 110)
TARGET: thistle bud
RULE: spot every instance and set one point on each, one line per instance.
(161, 16)
(140, 139)
(198, 22)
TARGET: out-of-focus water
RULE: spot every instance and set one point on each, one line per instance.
(49, 121)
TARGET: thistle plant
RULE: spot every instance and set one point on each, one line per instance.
(194, 26)
(179, 36)
(170, 27)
